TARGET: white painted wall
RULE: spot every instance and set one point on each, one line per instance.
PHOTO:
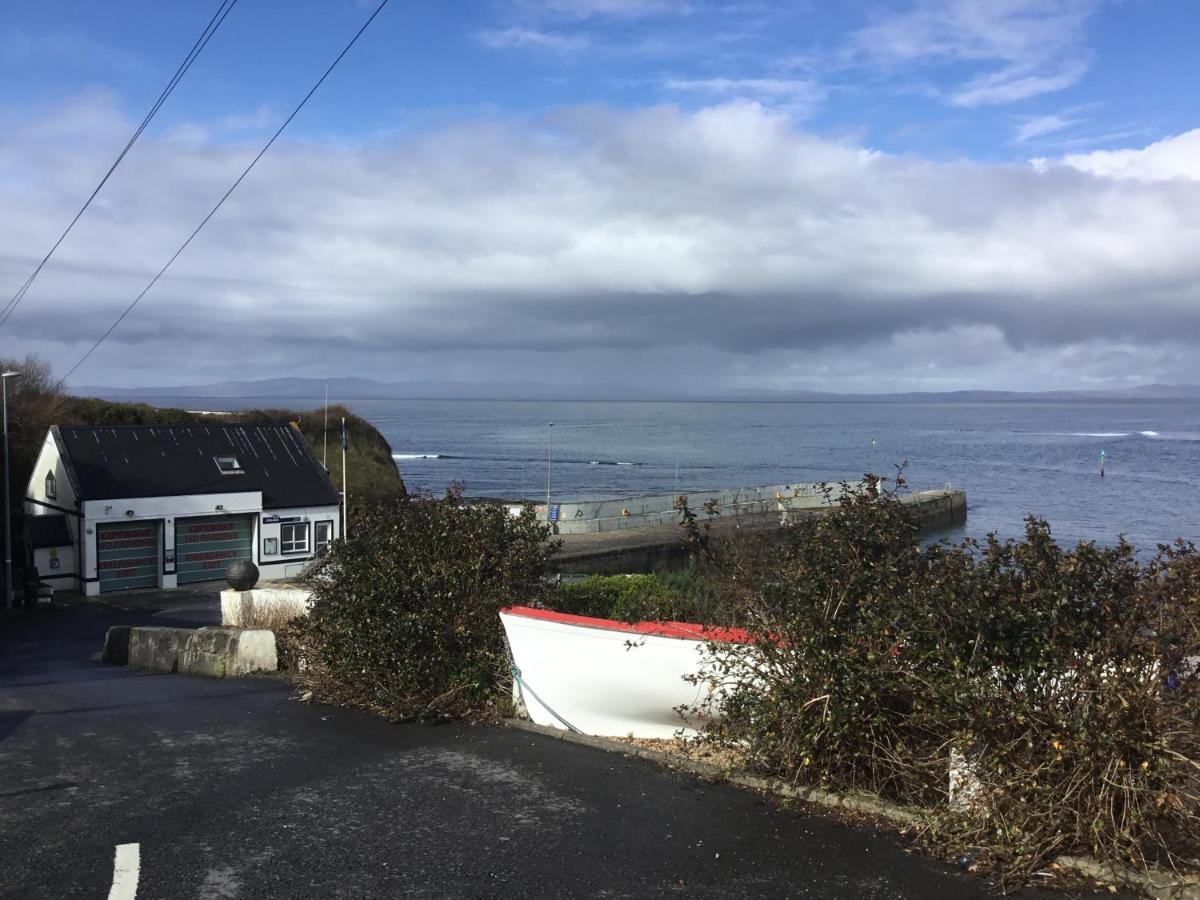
(66, 573)
(48, 460)
(157, 509)
(62, 575)
(283, 565)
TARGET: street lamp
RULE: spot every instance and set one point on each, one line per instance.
(8, 601)
(549, 456)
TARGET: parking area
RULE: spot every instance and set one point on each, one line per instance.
(234, 788)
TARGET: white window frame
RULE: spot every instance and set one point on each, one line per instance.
(234, 469)
(318, 544)
(288, 542)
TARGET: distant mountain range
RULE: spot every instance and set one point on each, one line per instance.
(312, 390)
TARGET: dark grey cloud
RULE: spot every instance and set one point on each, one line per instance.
(724, 245)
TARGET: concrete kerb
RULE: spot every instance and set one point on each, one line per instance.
(212, 652)
(1154, 883)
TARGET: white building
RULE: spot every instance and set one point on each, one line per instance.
(161, 506)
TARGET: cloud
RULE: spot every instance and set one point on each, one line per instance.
(1040, 126)
(618, 9)
(799, 95)
(708, 248)
(1013, 84)
(531, 38)
(1033, 46)
(1174, 157)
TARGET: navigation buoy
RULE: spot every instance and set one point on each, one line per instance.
(1102, 457)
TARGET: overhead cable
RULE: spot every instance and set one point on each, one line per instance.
(209, 30)
(212, 212)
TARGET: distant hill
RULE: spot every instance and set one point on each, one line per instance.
(311, 391)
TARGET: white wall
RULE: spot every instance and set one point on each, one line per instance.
(160, 509)
(66, 573)
(48, 461)
(283, 566)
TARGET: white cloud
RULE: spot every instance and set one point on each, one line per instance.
(621, 9)
(1174, 157)
(1040, 126)
(1035, 46)
(528, 37)
(1014, 84)
(799, 95)
(724, 241)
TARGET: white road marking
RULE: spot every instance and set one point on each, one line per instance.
(126, 864)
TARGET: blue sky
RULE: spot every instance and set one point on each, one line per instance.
(562, 117)
(1097, 74)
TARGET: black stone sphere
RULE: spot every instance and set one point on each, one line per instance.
(242, 575)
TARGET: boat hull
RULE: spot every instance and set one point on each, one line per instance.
(608, 678)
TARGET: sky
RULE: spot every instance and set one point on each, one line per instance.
(668, 195)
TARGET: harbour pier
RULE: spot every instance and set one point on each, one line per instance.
(644, 537)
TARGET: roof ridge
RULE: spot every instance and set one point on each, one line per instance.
(201, 424)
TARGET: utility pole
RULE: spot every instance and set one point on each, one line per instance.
(8, 593)
(325, 433)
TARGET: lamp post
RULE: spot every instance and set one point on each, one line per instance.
(549, 456)
(8, 595)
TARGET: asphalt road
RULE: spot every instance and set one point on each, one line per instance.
(232, 788)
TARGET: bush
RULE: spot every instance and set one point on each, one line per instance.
(405, 620)
(671, 597)
(1062, 676)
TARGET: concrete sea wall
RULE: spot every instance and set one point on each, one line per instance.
(591, 516)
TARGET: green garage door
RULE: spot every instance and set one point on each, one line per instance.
(205, 547)
(127, 555)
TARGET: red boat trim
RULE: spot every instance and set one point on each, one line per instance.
(682, 630)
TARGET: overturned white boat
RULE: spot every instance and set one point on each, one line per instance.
(603, 677)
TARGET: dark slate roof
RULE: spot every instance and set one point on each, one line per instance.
(48, 531)
(110, 462)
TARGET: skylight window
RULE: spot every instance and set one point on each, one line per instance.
(229, 465)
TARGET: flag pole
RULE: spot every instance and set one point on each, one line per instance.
(345, 495)
(325, 433)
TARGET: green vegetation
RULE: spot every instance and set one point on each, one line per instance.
(406, 616)
(669, 596)
(1066, 678)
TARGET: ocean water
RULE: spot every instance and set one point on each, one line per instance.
(1013, 459)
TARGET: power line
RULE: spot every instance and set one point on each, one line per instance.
(209, 30)
(225, 196)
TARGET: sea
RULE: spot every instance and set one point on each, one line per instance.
(1013, 458)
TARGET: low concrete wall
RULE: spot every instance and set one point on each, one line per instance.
(263, 607)
(591, 516)
(660, 548)
(214, 652)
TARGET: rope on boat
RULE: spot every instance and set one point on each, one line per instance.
(523, 687)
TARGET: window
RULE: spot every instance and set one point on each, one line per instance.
(229, 465)
(322, 536)
(51, 486)
(293, 537)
